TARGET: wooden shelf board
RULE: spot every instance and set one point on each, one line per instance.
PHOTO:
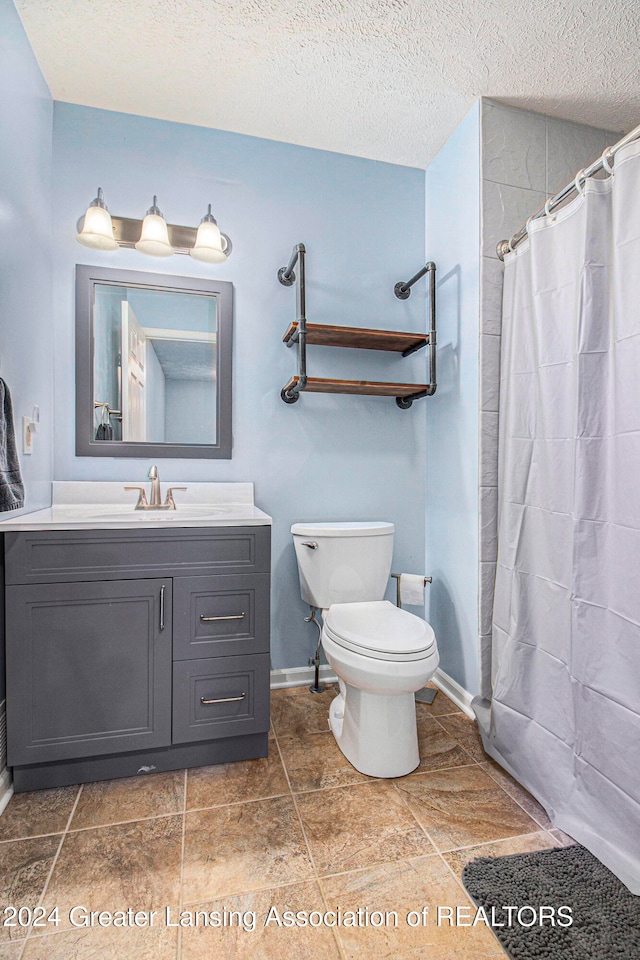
(359, 387)
(362, 338)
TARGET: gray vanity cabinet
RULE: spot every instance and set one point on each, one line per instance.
(131, 651)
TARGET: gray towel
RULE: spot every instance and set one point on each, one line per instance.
(11, 486)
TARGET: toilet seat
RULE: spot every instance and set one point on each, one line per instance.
(379, 630)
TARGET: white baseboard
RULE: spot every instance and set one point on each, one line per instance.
(300, 676)
(6, 788)
(303, 676)
(452, 689)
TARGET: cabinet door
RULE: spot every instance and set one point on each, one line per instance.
(88, 669)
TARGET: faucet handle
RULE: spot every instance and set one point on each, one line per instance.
(170, 502)
(142, 497)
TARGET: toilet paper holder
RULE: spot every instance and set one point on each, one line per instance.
(396, 577)
(426, 694)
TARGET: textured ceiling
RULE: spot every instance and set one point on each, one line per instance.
(384, 79)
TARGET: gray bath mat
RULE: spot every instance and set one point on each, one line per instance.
(606, 917)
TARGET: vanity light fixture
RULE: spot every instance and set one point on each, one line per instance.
(97, 228)
(210, 245)
(153, 235)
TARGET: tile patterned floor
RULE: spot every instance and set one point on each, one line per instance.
(299, 831)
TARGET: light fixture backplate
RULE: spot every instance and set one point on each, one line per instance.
(126, 232)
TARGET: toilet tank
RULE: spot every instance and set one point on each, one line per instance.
(351, 562)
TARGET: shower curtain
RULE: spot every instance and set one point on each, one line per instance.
(565, 712)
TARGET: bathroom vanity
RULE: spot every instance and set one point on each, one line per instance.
(135, 644)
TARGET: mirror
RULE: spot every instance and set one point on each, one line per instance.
(153, 365)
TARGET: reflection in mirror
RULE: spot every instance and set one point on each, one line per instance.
(154, 373)
(159, 365)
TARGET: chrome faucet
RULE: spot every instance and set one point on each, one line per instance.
(156, 494)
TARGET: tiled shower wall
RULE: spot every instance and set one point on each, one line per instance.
(525, 158)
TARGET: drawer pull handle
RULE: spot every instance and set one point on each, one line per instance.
(162, 589)
(223, 699)
(233, 616)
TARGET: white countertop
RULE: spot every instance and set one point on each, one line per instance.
(107, 506)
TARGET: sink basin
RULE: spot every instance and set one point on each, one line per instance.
(179, 515)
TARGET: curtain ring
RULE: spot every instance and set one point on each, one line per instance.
(526, 226)
(608, 153)
(510, 245)
(579, 176)
(547, 212)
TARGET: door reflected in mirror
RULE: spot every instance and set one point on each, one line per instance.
(160, 362)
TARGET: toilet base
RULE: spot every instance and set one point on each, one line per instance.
(376, 732)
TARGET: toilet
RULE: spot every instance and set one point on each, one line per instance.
(380, 653)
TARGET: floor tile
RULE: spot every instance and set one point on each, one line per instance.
(243, 847)
(237, 782)
(131, 798)
(316, 761)
(296, 712)
(270, 942)
(133, 865)
(437, 748)
(463, 806)
(352, 827)
(465, 732)
(109, 943)
(519, 794)
(37, 813)
(562, 838)
(457, 859)
(10, 951)
(400, 891)
(441, 705)
(24, 868)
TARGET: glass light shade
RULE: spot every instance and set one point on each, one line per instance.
(154, 238)
(209, 245)
(97, 229)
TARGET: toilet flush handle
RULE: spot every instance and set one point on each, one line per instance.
(310, 543)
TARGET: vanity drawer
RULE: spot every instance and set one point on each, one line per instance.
(220, 697)
(220, 616)
(74, 555)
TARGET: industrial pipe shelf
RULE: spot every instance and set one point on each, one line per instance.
(300, 333)
(362, 388)
(361, 338)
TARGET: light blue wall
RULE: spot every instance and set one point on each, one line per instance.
(453, 241)
(25, 248)
(156, 388)
(107, 332)
(25, 256)
(363, 225)
(190, 411)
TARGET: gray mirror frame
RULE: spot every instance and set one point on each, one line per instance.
(86, 446)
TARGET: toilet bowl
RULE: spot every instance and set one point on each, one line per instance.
(381, 654)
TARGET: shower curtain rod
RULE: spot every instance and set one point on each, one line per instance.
(505, 246)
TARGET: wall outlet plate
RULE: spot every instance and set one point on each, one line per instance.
(27, 436)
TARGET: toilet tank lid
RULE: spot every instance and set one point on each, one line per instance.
(344, 528)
